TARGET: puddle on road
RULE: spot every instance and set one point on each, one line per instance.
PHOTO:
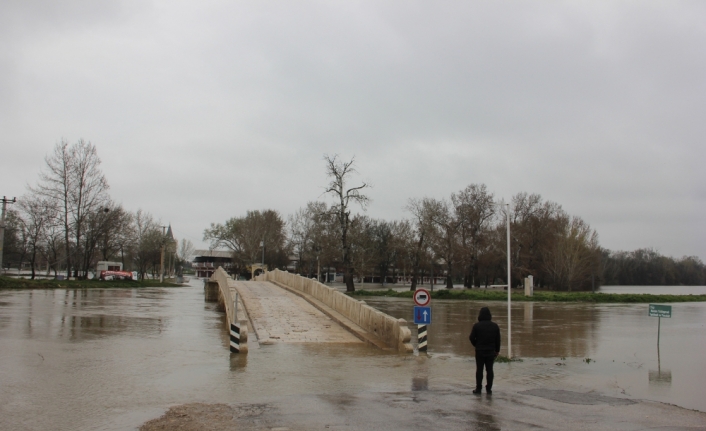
(113, 358)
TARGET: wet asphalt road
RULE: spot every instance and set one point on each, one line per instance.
(453, 408)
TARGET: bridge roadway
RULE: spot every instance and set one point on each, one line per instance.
(277, 315)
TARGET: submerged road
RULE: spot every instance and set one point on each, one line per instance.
(114, 359)
(280, 316)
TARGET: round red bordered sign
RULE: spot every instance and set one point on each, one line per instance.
(422, 297)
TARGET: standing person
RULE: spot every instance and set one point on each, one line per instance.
(485, 337)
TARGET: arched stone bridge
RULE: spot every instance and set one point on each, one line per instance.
(280, 307)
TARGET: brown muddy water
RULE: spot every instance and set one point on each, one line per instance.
(115, 358)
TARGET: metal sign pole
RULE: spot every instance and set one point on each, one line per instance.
(659, 364)
(659, 311)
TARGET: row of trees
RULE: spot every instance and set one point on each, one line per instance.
(68, 222)
(646, 267)
(462, 236)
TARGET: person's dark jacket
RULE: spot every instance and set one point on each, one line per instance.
(485, 335)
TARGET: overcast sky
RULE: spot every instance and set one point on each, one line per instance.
(203, 110)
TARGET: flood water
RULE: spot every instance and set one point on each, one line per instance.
(114, 358)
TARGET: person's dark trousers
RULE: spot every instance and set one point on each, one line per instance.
(484, 359)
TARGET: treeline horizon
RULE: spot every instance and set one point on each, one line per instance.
(462, 237)
(67, 222)
(641, 267)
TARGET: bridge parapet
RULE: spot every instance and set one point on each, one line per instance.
(391, 331)
(227, 303)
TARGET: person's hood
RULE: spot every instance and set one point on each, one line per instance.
(484, 314)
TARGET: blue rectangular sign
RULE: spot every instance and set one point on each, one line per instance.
(422, 315)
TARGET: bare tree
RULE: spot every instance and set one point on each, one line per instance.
(403, 243)
(475, 209)
(114, 231)
(535, 225)
(54, 250)
(325, 238)
(102, 234)
(36, 214)
(75, 184)
(363, 247)
(444, 235)
(385, 250)
(340, 172)
(421, 210)
(147, 243)
(302, 229)
(574, 254)
(15, 248)
(186, 250)
(184, 254)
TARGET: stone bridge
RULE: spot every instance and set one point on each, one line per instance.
(280, 307)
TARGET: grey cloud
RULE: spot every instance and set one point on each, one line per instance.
(595, 105)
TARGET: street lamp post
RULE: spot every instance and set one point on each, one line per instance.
(262, 244)
(509, 289)
(318, 265)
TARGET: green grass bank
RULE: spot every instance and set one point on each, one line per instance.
(22, 283)
(494, 295)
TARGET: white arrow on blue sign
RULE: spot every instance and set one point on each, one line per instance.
(422, 315)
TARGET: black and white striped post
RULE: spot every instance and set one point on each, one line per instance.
(235, 338)
(235, 329)
(422, 317)
(422, 337)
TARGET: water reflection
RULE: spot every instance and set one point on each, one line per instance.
(539, 330)
(528, 309)
(660, 377)
(420, 378)
(84, 314)
(485, 422)
(238, 362)
(420, 383)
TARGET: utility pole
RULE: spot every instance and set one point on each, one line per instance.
(161, 257)
(5, 201)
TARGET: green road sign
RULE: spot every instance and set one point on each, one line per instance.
(660, 310)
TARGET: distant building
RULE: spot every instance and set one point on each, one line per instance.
(206, 262)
